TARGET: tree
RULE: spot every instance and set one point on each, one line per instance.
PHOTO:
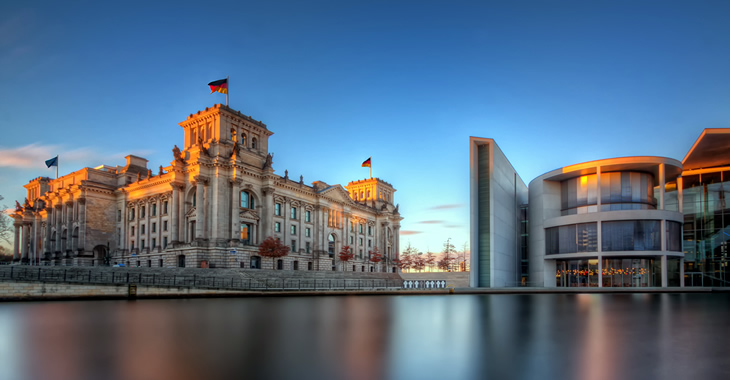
(430, 260)
(375, 256)
(407, 258)
(464, 258)
(447, 258)
(273, 248)
(6, 228)
(346, 255)
(419, 262)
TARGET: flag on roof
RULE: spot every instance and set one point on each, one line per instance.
(366, 163)
(219, 86)
(52, 162)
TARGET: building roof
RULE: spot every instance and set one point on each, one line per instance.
(712, 149)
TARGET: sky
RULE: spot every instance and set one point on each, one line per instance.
(405, 82)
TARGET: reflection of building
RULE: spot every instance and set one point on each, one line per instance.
(617, 222)
(216, 201)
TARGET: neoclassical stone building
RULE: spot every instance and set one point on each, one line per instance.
(216, 201)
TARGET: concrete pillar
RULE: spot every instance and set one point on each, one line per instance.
(174, 219)
(600, 271)
(16, 241)
(664, 271)
(235, 210)
(215, 229)
(681, 272)
(680, 194)
(662, 186)
(199, 207)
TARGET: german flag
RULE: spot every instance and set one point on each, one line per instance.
(366, 163)
(219, 85)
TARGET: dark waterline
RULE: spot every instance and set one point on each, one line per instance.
(548, 336)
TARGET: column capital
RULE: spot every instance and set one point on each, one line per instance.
(235, 181)
(267, 190)
(200, 179)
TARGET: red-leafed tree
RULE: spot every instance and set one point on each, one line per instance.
(419, 262)
(273, 248)
(346, 255)
(375, 256)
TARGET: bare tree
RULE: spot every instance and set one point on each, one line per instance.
(6, 229)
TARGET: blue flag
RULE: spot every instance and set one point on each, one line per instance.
(52, 162)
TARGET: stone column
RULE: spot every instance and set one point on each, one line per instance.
(36, 233)
(664, 271)
(82, 224)
(199, 207)
(147, 228)
(49, 222)
(69, 225)
(16, 242)
(600, 271)
(235, 207)
(59, 216)
(681, 272)
(175, 215)
(26, 236)
(266, 215)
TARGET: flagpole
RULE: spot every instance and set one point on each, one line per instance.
(56, 167)
(371, 167)
(228, 89)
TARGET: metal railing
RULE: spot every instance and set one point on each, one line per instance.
(90, 276)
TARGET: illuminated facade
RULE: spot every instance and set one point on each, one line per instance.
(600, 224)
(216, 201)
(619, 222)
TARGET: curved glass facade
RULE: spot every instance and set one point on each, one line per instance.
(625, 272)
(627, 191)
(631, 235)
(618, 191)
(573, 238)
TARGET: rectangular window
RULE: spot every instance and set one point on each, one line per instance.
(141, 213)
(631, 235)
(572, 238)
(119, 215)
(131, 213)
(154, 209)
(308, 247)
(132, 230)
(164, 225)
(142, 245)
(361, 253)
(161, 263)
(360, 241)
(308, 216)
(370, 243)
(352, 240)
(154, 227)
(370, 230)
(164, 208)
(361, 228)
(293, 245)
(293, 230)
(293, 212)
(277, 209)
(277, 227)
(352, 227)
(154, 243)
(142, 229)
(164, 245)
(307, 232)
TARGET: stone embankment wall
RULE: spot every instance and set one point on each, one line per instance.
(453, 279)
(46, 291)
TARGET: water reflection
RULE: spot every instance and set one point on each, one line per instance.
(597, 336)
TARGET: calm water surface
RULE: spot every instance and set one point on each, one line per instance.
(600, 336)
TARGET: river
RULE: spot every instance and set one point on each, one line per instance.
(506, 336)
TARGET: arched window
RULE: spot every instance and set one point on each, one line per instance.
(244, 142)
(233, 135)
(247, 200)
(195, 196)
(331, 245)
(254, 144)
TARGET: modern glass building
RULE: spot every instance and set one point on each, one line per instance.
(619, 222)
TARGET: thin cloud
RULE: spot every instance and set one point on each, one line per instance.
(453, 226)
(33, 156)
(410, 232)
(444, 207)
(431, 222)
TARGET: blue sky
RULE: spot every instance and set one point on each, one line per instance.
(406, 82)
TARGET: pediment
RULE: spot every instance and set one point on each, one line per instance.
(249, 215)
(190, 212)
(337, 193)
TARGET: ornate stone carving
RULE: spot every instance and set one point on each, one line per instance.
(177, 154)
(269, 161)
